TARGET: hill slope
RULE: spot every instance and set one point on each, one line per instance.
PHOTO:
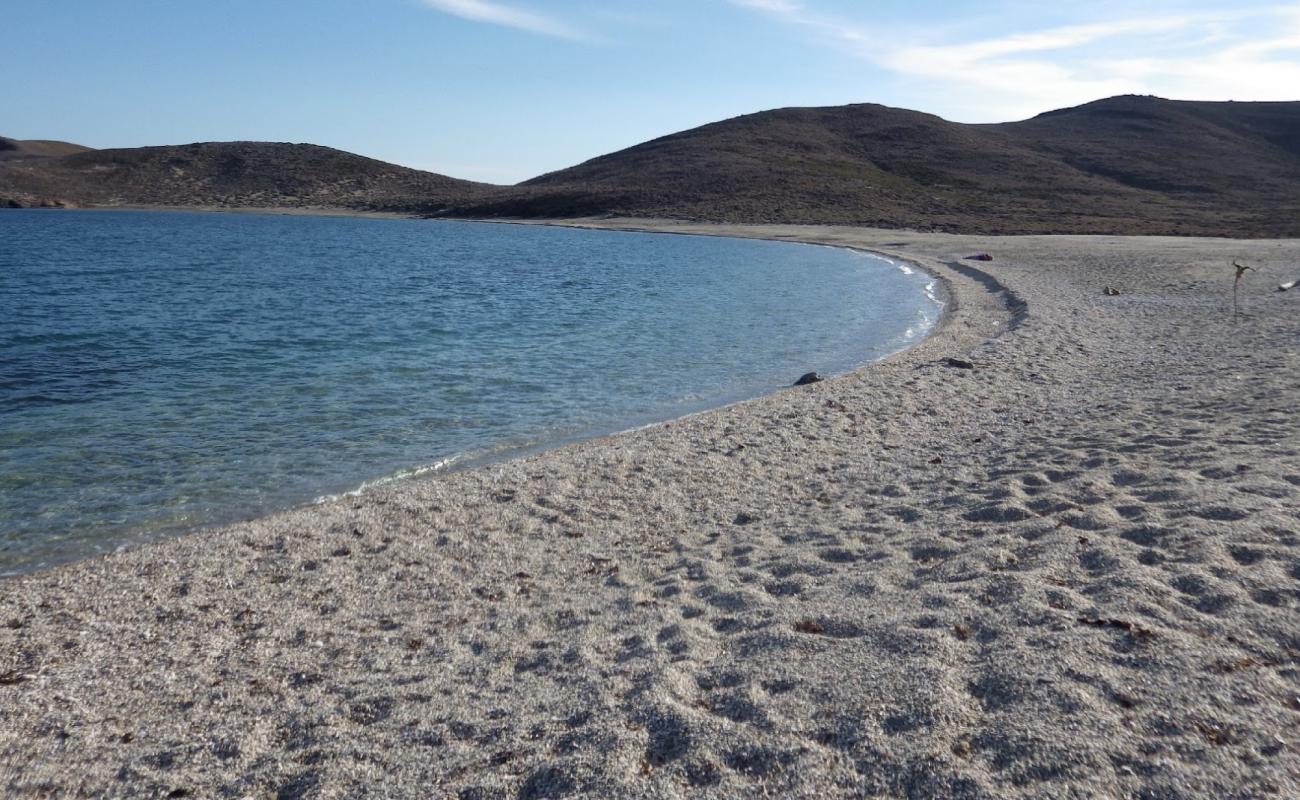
(231, 174)
(1122, 165)
(1139, 165)
(37, 148)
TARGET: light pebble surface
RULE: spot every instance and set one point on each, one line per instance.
(1072, 571)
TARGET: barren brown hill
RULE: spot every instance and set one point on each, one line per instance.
(1122, 165)
(230, 174)
(36, 148)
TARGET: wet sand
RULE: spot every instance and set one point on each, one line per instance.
(1072, 569)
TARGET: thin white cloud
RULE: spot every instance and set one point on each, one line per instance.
(1063, 38)
(507, 16)
(798, 14)
(1247, 55)
(771, 6)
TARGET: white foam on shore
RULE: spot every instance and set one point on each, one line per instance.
(395, 477)
(928, 317)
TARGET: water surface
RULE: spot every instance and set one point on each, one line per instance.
(163, 371)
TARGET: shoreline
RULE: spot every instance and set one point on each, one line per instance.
(493, 454)
(1070, 568)
(323, 211)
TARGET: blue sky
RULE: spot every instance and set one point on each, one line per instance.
(502, 90)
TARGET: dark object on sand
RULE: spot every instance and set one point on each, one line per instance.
(958, 363)
(1110, 291)
(1135, 630)
(807, 378)
(1282, 287)
(980, 257)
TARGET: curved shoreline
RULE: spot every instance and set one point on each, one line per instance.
(485, 456)
(1070, 569)
(453, 464)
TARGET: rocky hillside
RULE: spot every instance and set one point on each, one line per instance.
(1138, 165)
(1122, 165)
(231, 174)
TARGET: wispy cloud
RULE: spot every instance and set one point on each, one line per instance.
(1244, 55)
(507, 16)
(773, 6)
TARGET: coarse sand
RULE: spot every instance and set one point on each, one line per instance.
(1070, 570)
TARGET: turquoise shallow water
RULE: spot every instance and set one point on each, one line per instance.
(164, 371)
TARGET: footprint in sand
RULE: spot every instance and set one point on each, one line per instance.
(1246, 556)
(1204, 597)
(788, 588)
(1220, 513)
(999, 512)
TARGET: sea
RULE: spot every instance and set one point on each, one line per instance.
(167, 371)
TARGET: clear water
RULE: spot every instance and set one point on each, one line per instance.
(164, 371)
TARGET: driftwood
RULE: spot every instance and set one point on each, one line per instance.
(1242, 269)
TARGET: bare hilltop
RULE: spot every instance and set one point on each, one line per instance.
(229, 175)
(1123, 165)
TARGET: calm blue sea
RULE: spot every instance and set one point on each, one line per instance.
(165, 371)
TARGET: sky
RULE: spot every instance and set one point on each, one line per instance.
(504, 90)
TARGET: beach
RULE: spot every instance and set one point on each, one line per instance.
(1051, 551)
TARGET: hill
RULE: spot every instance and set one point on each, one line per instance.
(36, 148)
(230, 174)
(1136, 165)
(1122, 165)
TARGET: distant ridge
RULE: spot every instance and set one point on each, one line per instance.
(230, 175)
(36, 148)
(1123, 165)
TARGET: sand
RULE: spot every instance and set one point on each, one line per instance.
(1070, 571)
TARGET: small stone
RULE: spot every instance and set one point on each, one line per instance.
(1110, 291)
(807, 378)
